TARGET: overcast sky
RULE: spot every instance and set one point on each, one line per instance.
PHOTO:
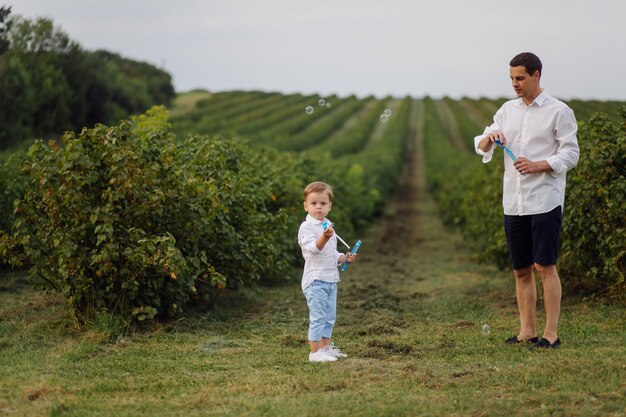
(420, 47)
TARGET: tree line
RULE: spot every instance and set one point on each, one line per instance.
(50, 84)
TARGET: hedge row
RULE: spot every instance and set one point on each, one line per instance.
(594, 228)
(122, 219)
(469, 194)
(593, 255)
(128, 220)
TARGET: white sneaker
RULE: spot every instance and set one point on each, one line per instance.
(321, 356)
(334, 351)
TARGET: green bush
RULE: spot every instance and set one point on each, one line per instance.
(12, 187)
(594, 232)
(127, 220)
(121, 219)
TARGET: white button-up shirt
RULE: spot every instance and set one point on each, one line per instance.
(544, 130)
(321, 265)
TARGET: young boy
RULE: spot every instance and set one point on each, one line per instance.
(320, 277)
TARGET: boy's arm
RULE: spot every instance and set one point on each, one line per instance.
(308, 242)
(343, 257)
(324, 238)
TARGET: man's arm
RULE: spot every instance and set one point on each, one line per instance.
(484, 144)
(568, 151)
(487, 143)
(526, 166)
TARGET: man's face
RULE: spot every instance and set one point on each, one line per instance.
(526, 86)
(318, 205)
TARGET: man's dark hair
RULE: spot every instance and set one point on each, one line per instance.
(527, 60)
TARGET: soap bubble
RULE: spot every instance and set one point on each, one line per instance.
(384, 118)
(387, 112)
(486, 329)
(321, 102)
(309, 110)
(328, 105)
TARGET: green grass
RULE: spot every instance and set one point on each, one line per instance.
(410, 315)
(412, 327)
(185, 102)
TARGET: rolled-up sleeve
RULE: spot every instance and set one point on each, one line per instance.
(306, 239)
(337, 256)
(495, 127)
(568, 151)
(486, 155)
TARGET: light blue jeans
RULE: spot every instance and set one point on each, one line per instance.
(321, 297)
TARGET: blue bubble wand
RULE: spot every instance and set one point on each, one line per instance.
(325, 226)
(357, 245)
(508, 151)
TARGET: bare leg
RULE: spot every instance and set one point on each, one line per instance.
(315, 345)
(526, 293)
(551, 299)
(325, 342)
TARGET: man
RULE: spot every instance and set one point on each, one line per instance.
(541, 131)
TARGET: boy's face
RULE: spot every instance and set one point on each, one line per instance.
(318, 205)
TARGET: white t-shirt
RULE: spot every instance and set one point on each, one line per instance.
(321, 265)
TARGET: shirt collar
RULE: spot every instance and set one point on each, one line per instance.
(313, 220)
(539, 100)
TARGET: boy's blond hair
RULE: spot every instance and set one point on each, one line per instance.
(319, 187)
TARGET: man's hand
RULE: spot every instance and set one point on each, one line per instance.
(487, 142)
(526, 166)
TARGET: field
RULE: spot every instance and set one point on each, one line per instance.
(411, 310)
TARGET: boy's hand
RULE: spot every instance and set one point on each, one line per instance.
(323, 239)
(351, 258)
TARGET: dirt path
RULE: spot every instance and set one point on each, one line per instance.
(409, 263)
(450, 125)
(409, 232)
(380, 128)
(410, 269)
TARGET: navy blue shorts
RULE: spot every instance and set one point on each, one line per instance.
(533, 238)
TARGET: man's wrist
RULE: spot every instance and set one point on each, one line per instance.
(484, 144)
(545, 166)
